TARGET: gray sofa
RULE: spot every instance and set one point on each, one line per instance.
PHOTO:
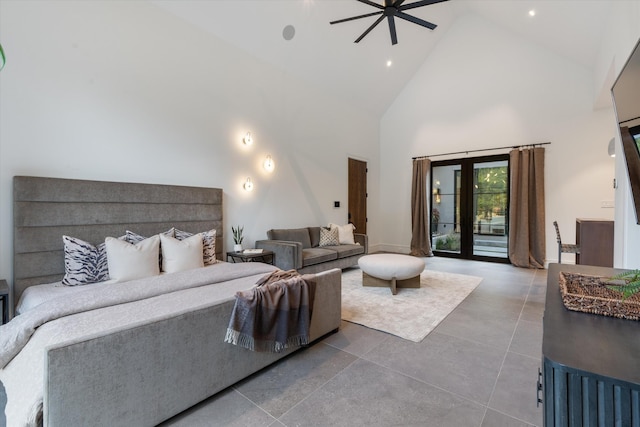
(298, 248)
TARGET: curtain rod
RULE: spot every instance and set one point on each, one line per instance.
(630, 120)
(483, 149)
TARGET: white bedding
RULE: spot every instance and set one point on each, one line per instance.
(23, 377)
(33, 296)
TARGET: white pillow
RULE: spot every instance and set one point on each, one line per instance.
(178, 255)
(345, 233)
(128, 261)
(208, 244)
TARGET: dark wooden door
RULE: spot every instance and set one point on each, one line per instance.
(358, 195)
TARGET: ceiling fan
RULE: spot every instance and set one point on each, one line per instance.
(390, 10)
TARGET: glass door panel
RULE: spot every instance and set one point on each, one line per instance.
(490, 197)
(445, 212)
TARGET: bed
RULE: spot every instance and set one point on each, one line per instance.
(157, 347)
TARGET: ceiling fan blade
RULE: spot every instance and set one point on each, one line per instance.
(398, 3)
(366, 15)
(415, 20)
(369, 29)
(392, 30)
(370, 3)
(419, 4)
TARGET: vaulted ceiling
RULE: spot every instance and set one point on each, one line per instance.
(326, 56)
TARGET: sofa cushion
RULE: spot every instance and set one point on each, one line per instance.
(314, 233)
(291, 234)
(344, 251)
(314, 256)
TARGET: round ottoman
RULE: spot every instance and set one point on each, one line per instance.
(392, 270)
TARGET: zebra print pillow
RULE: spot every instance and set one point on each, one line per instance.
(208, 244)
(84, 263)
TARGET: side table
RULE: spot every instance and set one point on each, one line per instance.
(4, 296)
(268, 257)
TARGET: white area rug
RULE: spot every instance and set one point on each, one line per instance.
(412, 313)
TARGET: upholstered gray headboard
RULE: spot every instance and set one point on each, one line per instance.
(44, 209)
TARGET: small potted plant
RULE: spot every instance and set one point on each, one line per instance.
(237, 238)
(630, 283)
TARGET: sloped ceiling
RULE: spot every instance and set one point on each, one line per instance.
(326, 56)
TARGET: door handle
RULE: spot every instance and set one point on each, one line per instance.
(539, 388)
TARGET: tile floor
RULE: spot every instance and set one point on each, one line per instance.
(477, 368)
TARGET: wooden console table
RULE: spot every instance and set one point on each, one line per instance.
(595, 238)
(590, 363)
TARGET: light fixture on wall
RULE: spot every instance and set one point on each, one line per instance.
(612, 147)
(248, 139)
(436, 192)
(248, 184)
(268, 164)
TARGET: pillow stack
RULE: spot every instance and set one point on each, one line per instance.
(334, 235)
(133, 256)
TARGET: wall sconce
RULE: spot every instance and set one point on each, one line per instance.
(268, 164)
(612, 147)
(438, 195)
(248, 139)
(248, 184)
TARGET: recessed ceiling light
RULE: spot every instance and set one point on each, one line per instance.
(532, 12)
(389, 63)
(288, 32)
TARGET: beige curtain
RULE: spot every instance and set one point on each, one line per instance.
(420, 218)
(526, 216)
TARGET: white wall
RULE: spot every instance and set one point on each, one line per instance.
(486, 87)
(124, 91)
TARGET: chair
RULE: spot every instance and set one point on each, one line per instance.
(566, 248)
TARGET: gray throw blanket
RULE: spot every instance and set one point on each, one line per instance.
(274, 315)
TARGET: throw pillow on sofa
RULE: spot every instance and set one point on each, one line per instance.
(345, 233)
(329, 236)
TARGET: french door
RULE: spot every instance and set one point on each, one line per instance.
(470, 208)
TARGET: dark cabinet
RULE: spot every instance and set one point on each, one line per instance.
(590, 363)
(595, 238)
